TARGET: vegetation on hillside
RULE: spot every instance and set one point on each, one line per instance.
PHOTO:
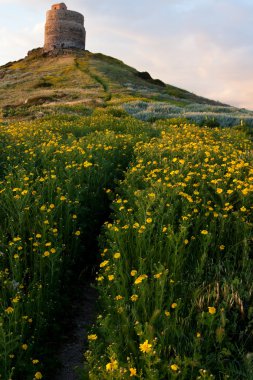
(79, 82)
(91, 150)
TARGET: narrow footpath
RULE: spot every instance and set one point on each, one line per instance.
(71, 356)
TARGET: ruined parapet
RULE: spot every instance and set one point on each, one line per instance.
(64, 29)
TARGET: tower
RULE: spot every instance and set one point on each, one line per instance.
(64, 29)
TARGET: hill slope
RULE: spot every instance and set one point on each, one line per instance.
(73, 81)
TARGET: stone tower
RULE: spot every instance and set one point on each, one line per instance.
(64, 29)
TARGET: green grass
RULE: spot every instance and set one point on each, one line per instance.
(175, 203)
(176, 262)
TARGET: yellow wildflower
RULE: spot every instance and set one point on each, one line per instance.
(145, 347)
(211, 309)
(104, 263)
(133, 372)
(92, 337)
(38, 375)
(9, 310)
(174, 367)
(113, 365)
(140, 279)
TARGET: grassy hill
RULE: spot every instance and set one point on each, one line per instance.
(78, 82)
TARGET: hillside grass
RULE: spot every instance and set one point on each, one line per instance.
(35, 86)
(90, 151)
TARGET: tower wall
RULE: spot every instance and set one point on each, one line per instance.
(64, 29)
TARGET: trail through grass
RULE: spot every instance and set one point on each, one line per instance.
(175, 278)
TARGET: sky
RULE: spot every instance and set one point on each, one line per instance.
(203, 46)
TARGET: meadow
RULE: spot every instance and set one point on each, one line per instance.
(52, 188)
(175, 276)
(171, 205)
(141, 188)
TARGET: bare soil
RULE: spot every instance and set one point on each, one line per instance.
(71, 354)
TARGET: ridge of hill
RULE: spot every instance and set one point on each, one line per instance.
(77, 82)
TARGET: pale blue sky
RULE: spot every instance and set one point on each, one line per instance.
(204, 46)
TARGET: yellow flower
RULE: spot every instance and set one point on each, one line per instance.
(174, 367)
(113, 365)
(111, 277)
(24, 347)
(145, 347)
(117, 255)
(63, 198)
(118, 298)
(211, 309)
(149, 220)
(167, 313)
(86, 164)
(46, 254)
(243, 209)
(204, 232)
(158, 275)
(174, 305)
(78, 233)
(104, 263)
(134, 297)
(35, 361)
(38, 375)
(133, 371)
(9, 310)
(92, 337)
(16, 299)
(219, 191)
(222, 247)
(140, 279)
(133, 272)
(198, 335)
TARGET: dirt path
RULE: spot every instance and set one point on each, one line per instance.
(71, 355)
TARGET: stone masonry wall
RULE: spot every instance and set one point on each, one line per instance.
(64, 29)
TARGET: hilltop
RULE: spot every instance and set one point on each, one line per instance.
(76, 82)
